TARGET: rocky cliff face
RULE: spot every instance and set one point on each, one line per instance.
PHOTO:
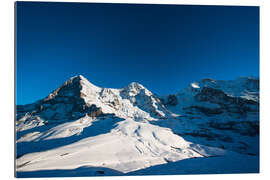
(220, 110)
(66, 103)
(238, 97)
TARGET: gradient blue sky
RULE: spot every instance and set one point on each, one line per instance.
(163, 47)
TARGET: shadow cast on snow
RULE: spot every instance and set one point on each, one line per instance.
(211, 136)
(102, 126)
(83, 171)
(210, 165)
(205, 165)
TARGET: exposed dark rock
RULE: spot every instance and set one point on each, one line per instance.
(248, 128)
(172, 100)
(94, 111)
(227, 103)
(115, 102)
(208, 111)
(65, 102)
(212, 95)
(208, 135)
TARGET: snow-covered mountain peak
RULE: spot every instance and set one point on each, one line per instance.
(87, 84)
(80, 124)
(195, 85)
(135, 88)
(135, 84)
(77, 97)
(73, 87)
(236, 97)
(240, 87)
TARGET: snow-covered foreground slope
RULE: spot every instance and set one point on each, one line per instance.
(211, 165)
(84, 130)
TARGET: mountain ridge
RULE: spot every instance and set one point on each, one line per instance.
(159, 95)
(208, 118)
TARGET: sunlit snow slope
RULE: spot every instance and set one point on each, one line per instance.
(84, 130)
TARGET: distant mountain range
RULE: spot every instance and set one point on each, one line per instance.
(84, 130)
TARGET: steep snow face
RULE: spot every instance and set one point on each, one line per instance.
(142, 98)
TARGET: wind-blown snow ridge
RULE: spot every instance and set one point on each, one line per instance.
(80, 124)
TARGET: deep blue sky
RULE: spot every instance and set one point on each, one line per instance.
(163, 47)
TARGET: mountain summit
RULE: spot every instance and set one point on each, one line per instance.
(80, 124)
(78, 97)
